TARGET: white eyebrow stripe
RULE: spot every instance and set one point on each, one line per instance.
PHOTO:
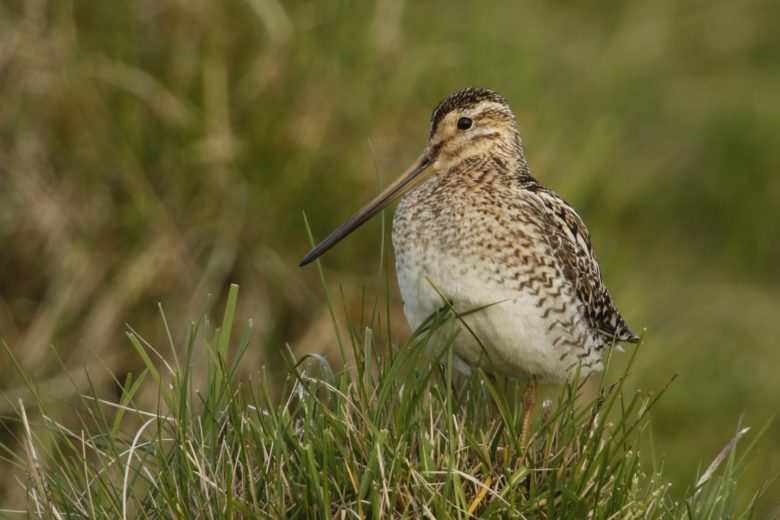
(484, 106)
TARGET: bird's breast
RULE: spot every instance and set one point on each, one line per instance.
(474, 252)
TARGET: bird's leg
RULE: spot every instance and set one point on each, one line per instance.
(529, 397)
(484, 487)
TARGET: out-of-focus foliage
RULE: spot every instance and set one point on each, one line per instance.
(155, 150)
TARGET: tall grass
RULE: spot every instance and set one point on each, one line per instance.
(393, 433)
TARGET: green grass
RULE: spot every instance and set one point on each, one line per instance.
(394, 433)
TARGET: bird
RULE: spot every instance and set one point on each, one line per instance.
(476, 231)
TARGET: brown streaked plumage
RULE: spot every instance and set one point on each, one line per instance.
(476, 227)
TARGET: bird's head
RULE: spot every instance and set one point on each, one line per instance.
(472, 122)
(469, 123)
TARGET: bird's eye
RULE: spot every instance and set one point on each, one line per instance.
(464, 123)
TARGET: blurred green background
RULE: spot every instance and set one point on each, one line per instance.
(156, 150)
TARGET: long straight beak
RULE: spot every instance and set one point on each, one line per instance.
(381, 201)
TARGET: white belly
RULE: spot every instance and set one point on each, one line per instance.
(514, 338)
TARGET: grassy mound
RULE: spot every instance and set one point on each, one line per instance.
(395, 433)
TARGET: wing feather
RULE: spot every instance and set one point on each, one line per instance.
(570, 243)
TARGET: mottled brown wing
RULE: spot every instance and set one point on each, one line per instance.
(570, 242)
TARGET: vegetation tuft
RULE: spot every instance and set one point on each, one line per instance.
(397, 432)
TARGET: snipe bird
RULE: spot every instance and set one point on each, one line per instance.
(477, 229)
